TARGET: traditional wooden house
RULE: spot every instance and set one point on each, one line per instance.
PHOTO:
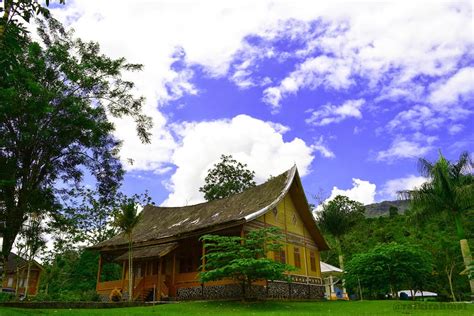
(16, 276)
(167, 251)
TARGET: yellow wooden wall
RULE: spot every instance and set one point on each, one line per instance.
(289, 221)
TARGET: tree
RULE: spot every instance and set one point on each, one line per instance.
(338, 217)
(389, 268)
(243, 259)
(55, 100)
(89, 218)
(228, 177)
(72, 274)
(450, 189)
(23, 9)
(126, 219)
(33, 242)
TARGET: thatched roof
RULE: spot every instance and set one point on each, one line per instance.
(165, 224)
(150, 251)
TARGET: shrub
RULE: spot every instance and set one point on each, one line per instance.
(67, 296)
(6, 297)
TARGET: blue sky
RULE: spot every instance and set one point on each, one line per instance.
(352, 92)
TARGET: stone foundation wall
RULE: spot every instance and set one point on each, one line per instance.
(274, 290)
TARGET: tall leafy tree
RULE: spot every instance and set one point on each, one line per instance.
(126, 219)
(449, 189)
(89, 217)
(338, 217)
(55, 100)
(226, 178)
(243, 259)
(389, 268)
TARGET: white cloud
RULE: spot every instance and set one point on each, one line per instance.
(312, 73)
(362, 191)
(336, 113)
(391, 187)
(390, 44)
(416, 118)
(159, 34)
(421, 117)
(257, 143)
(402, 147)
(321, 147)
(456, 128)
(460, 85)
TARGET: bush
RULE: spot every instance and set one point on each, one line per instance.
(40, 297)
(6, 297)
(67, 296)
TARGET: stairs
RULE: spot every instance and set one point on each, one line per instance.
(144, 292)
(146, 295)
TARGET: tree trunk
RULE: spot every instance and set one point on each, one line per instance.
(341, 263)
(130, 269)
(27, 286)
(3, 275)
(17, 281)
(466, 252)
(466, 255)
(449, 274)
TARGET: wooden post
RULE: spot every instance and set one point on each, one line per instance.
(99, 271)
(305, 258)
(123, 274)
(144, 274)
(203, 266)
(159, 279)
(203, 259)
(173, 274)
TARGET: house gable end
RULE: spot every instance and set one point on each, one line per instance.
(292, 214)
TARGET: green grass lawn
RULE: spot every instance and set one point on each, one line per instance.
(272, 308)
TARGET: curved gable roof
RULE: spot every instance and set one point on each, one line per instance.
(167, 222)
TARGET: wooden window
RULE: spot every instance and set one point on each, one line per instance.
(163, 266)
(297, 257)
(186, 264)
(138, 269)
(280, 256)
(155, 267)
(151, 267)
(312, 260)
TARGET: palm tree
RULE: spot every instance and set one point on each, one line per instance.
(337, 218)
(126, 220)
(449, 189)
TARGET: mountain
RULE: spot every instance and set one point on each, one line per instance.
(382, 208)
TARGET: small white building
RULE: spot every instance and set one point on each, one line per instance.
(331, 276)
